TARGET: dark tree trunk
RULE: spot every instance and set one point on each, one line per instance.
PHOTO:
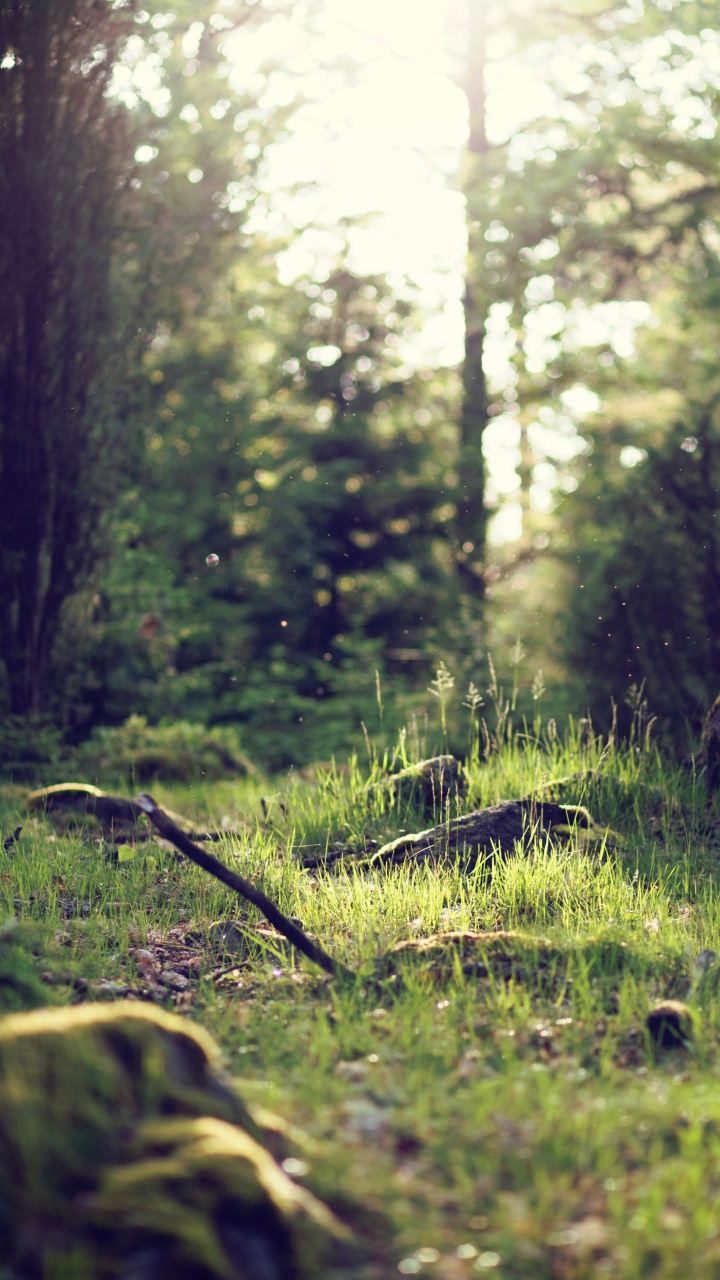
(471, 518)
(63, 161)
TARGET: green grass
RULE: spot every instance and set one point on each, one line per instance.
(515, 1123)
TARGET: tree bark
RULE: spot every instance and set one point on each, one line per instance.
(471, 517)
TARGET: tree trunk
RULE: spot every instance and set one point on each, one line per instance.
(471, 518)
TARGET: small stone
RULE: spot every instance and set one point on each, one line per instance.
(704, 960)
(175, 981)
(227, 937)
(670, 1025)
(107, 988)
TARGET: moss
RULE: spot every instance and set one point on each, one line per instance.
(118, 1134)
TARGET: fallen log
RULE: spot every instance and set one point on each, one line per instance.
(545, 964)
(118, 816)
(476, 836)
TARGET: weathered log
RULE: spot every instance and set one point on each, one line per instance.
(82, 797)
(479, 835)
(118, 816)
(473, 837)
(536, 961)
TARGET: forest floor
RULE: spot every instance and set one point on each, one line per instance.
(492, 1109)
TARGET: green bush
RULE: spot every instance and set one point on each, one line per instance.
(26, 742)
(140, 752)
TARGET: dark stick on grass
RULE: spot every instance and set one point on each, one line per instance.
(291, 931)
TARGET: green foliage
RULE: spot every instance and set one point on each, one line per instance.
(286, 524)
(643, 610)
(599, 219)
(138, 752)
(28, 740)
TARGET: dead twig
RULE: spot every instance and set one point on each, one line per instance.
(214, 867)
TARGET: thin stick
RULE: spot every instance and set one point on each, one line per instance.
(291, 931)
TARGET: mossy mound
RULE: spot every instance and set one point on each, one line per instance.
(123, 1152)
(543, 964)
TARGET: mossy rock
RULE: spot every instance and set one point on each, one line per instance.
(124, 1152)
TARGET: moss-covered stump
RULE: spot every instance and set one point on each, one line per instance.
(123, 1153)
(544, 965)
(430, 785)
(670, 1025)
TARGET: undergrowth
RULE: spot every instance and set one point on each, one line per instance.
(508, 1116)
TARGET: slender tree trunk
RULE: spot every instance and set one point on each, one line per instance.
(471, 518)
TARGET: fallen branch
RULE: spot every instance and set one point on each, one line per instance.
(287, 927)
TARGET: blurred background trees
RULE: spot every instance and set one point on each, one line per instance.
(63, 182)
(263, 497)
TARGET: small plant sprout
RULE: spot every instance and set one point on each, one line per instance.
(642, 720)
(441, 688)
(378, 695)
(516, 657)
(473, 700)
(539, 688)
(493, 742)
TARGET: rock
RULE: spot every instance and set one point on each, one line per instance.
(670, 1025)
(228, 938)
(121, 1142)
